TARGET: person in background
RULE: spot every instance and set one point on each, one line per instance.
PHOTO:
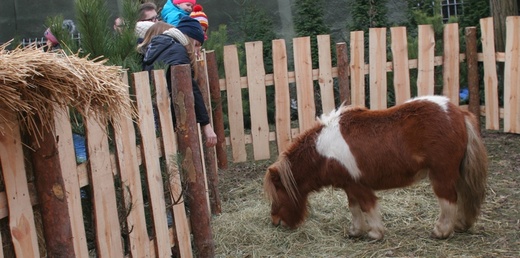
(118, 25)
(52, 41)
(199, 15)
(165, 44)
(174, 10)
(148, 12)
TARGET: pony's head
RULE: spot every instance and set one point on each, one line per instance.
(288, 207)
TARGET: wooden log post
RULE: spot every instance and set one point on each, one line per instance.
(209, 153)
(343, 72)
(52, 195)
(472, 66)
(218, 114)
(191, 160)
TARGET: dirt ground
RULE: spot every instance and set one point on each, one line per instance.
(243, 229)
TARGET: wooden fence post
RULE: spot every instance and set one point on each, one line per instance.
(191, 160)
(472, 65)
(52, 194)
(218, 114)
(343, 72)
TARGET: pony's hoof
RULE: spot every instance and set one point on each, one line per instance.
(376, 234)
(355, 233)
(439, 235)
(461, 227)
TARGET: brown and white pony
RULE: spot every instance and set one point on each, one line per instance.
(362, 151)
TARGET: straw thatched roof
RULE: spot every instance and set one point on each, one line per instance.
(33, 82)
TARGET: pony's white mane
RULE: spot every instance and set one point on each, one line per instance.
(332, 117)
(442, 101)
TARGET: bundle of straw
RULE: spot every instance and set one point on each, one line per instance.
(34, 82)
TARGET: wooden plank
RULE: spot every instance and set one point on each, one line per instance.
(67, 159)
(21, 218)
(425, 66)
(182, 230)
(257, 99)
(208, 153)
(126, 151)
(108, 232)
(451, 63)
(357, 68)
(377, 60)
(150, 154)
(304, 82)
(325, 79)
(400, 64)
(512, 76)
(234, 99)
(282, 96)
(490, 74)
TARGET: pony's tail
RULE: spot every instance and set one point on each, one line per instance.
(471, 186)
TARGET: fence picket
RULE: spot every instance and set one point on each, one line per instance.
(108, 231)
(304, 82)
(234, 99)
(451, 63)
(377, 59)
(282, 96)
(512, 76)
(401, 69)
(21, 218)
(125, 140)
(357, 68)
(325, 79)
(490, 74)
(68, 165)
(426, 58)
(257, 99)
(150, 155)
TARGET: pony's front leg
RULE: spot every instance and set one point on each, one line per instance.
(359, 226)
(365, 213)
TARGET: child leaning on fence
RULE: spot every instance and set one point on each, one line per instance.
(165, 44)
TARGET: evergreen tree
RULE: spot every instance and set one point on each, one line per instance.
(309, 21)
(368, 14)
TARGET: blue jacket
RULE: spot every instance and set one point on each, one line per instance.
(172, 14)
(164, 49)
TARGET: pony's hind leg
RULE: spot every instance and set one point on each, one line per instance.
(445, 224)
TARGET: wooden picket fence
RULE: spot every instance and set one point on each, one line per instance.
(127, 163)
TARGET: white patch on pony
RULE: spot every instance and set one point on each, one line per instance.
(442, 101)
(331, 144)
